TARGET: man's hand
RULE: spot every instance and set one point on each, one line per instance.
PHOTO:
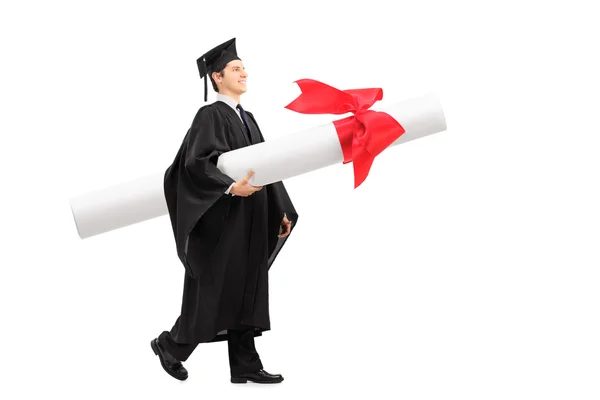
(243, 188)
(286, 225)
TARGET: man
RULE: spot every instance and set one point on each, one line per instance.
(227, 233)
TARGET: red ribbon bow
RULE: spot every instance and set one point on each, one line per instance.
(364, 135)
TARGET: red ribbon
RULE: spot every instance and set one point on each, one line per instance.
(364, 135)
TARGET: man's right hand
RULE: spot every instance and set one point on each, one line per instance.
(243, 188)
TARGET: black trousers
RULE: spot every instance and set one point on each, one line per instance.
(243, 356)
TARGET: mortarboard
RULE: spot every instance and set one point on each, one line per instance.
(215, 60)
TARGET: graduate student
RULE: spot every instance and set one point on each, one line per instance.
(227, 232)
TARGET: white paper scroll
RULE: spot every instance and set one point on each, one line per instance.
(319, 147)
(120, 205)
(272, 161)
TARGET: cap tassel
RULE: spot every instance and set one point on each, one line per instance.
(205, 87)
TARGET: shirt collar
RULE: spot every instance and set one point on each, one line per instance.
(227, 100)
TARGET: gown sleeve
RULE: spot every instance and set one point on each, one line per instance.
(193, 183)
(206, 144)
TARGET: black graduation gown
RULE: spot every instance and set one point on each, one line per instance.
(226, 243)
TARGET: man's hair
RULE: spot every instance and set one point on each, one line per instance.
(212, 81)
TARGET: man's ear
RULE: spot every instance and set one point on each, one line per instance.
(216, 77)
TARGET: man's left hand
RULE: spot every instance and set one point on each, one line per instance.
(286, 225)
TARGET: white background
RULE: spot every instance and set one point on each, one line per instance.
(465, 267)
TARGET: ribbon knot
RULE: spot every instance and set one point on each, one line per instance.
(364, 135)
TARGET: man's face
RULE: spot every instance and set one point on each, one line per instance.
(234, 77)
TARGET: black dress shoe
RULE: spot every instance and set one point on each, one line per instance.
(261, 376)
(168, 362)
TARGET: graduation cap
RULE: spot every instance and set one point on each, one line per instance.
(215, 60)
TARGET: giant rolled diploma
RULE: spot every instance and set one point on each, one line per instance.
(319, 147)
(274, 160)
(119, 205)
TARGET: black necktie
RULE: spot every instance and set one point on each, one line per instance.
(245, 119)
